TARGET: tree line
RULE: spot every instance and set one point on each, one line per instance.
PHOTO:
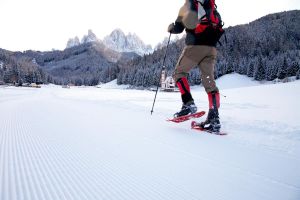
(266, 49)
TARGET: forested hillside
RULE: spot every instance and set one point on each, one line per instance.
(85, 64)
(266, 49)
(20, 69)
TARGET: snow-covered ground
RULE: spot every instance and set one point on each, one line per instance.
(102, 143)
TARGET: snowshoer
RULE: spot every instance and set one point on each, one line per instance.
(203, 26)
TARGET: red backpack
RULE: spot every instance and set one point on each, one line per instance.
(211, 21)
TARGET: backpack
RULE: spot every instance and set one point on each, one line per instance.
(210, 23)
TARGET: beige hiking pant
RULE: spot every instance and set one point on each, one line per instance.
(201, 56)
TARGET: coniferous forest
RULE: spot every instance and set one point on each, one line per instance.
(19, 70)
(265, 49)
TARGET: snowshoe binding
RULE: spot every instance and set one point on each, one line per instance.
(212, 122)
(186, 109)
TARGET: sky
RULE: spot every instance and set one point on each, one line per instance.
(48, 24)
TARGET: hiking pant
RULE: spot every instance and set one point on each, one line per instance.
(201, 56)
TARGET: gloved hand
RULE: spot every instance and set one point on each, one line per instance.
(171, 28)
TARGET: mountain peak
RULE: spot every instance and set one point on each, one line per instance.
(120, 42)
(72, 42)
(90, 37)
(117, 40)
(117, 31)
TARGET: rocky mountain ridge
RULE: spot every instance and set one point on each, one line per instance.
(116, 41)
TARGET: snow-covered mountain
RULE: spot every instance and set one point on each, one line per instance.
(116, 41)
(90, 37)
(72, 42)
(120, 42)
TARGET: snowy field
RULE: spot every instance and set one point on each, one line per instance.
(103, 144)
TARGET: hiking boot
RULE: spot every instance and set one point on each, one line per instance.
(186, 109)
(212, 122)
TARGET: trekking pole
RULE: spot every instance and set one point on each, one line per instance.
(163, 67)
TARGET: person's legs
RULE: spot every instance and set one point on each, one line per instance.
(185, 63)
(207, 65)
(185, 90)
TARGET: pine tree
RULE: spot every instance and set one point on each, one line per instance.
(271, 73)
(242, 67)
(282, 72)
(260, 73)
(298, 75)
(250, 69)
(1, 75)
(11, 74)
(293, 68)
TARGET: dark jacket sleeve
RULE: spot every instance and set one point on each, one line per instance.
(178, 28)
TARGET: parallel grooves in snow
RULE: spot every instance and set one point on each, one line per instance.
(36, 170)
(40, 161)
(217, 164)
